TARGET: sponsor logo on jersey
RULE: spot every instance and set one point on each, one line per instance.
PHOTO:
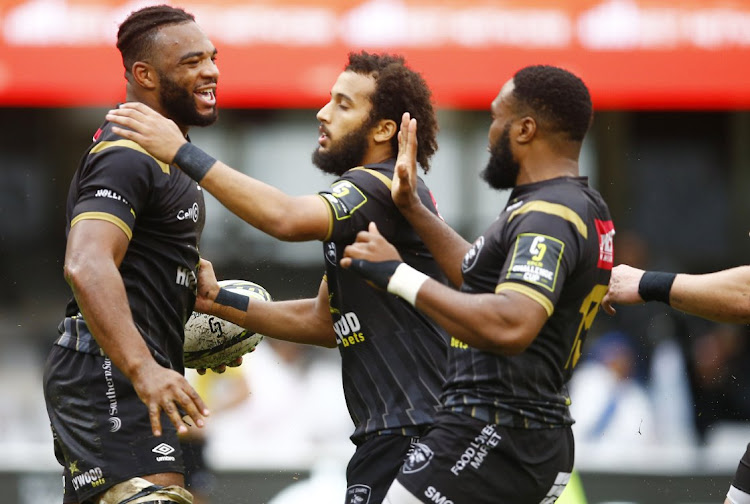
(358, 494)
(114, 419)
(164, 451)
(435, 496)
(330, 252)
(93, 477)
(536, 260)
(347, 329)
(606, 232)
(109, 193)
(470, 259)
(191, 213)
(418, 458)
(475, 453)
(186, 278)
(457, 343)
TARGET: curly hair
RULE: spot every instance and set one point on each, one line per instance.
(557, 97)
(136, 36)
(399, 89)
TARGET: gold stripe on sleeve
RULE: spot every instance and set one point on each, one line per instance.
(553, 209)
(105, 217)
(330, 218)
(128, 144)
(376, 174)
(528, 292)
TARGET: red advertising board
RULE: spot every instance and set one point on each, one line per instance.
(633, 54)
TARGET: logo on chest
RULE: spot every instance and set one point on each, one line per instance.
(347, 330)
(192, 213)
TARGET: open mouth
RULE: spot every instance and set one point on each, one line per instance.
(206, 96)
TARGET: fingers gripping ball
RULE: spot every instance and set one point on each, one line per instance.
(211, 341)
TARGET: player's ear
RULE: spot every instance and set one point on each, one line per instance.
(144, 75)
(525, 129)
(384, 130)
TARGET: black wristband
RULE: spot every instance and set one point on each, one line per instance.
(193, 161)
(655, 286)
(377, 273)
(228, 298)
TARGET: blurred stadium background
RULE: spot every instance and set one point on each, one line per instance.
(669, 150)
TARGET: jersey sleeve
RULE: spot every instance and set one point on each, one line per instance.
(114, 187)
(544, 247)
(354, 202)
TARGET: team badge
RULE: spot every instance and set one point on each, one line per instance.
(418, 458)
(358, 494)
(330, 252)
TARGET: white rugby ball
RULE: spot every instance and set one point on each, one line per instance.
(211, 341)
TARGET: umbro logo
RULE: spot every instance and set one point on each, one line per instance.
(164, 450)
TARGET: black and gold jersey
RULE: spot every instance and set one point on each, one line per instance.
(161, 211)
(553, 243)
(393, 357)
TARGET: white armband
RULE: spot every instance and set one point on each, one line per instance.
(406, 282)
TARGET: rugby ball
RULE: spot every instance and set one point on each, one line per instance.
(211, 341)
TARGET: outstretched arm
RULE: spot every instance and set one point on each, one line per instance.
(265, 207)
(723, 296)
(504, 323)
(93, 255)
(447, 247)
(305, 321)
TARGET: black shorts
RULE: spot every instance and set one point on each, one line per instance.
(463, 460)
(101, 429)
(374, 466)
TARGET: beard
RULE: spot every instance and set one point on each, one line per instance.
(343, 154)
(179, 104)
(502, 169)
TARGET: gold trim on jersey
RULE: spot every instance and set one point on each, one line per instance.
(388, 182)
(528, 292)
(554, 209)
(105, 217)
(330, 218)
(128, 144)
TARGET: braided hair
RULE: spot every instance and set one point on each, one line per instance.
(136, 36)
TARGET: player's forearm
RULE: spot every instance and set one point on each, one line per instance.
(101, 297)
(296, 321)
(263, 206)
(723, 296)
(446, 245)
(489, 322)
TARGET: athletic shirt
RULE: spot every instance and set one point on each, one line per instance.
(393, 357)
(553, 243)
(161, 210)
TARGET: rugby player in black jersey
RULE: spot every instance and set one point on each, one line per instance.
(528, 290)
(113, 382)
(721, 296)
(393, 357)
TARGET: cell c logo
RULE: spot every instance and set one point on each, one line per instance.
(191, 213)
(116, 424)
